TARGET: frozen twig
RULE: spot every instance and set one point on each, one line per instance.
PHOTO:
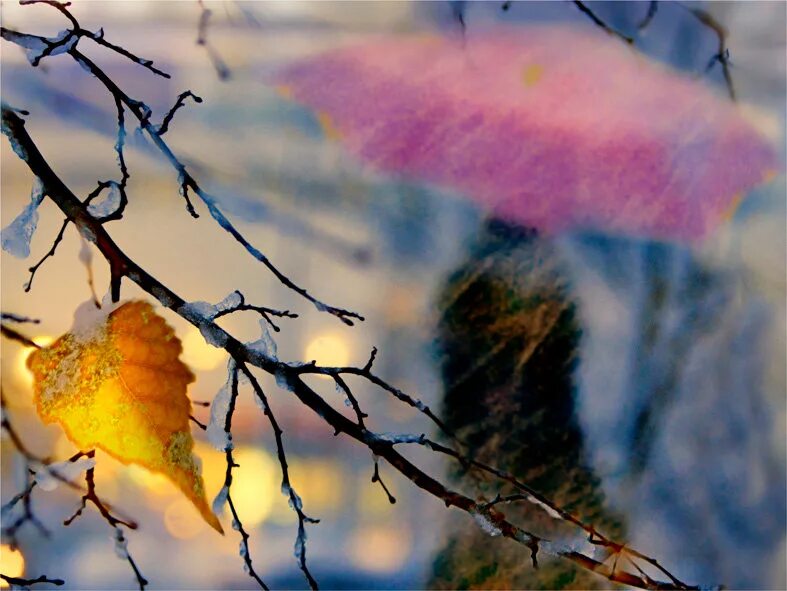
(188, 184)
(222, 71)
(583, 6)
(295, 502)
(226, 490)
(653, 7)
(181, 100)
(20, 582)
(722, 55)
(290, 376)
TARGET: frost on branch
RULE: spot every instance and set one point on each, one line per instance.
(121, 544)
(16, 235)
(265, 344)
(220, 501)
(485, 524)
(36, 48)
(217, 432)
(109, 204)
(49, 477)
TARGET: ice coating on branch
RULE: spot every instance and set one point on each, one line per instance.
(220, 501)
(484, 522)
(294, 500)
(219, 408)
(213, 335)
(401, 437)
(201, 314)
(49, 477)
(16, 236)
(200, 309)
(121, 544)
(36, 47)
(232, 301)
(549, 510)
(265, 344)
(85, 254)
(282, 380)
(341, 391)
(300, 545)
(108, 205)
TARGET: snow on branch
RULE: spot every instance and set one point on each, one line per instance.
(90, 222)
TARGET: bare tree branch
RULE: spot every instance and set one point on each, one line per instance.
(30, 582)
(287, 376)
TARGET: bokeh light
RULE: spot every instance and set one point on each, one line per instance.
(24, 352)
(255, 485)
(182, 520)
(12, 563)
(328, 349)
(155, 485)
(379, 548)
(198, 354)
(319, 482)
(373, 503)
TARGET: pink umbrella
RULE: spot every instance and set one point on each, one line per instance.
(550, 126)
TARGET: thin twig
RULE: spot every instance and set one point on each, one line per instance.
(288, 377)
(29, 582)
(599, 22)
(722, 55)
(237, 524)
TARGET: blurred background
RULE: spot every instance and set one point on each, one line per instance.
(711, 501)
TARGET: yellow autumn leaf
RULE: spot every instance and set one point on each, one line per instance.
(121, 387)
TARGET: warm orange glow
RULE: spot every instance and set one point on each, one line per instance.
(328, 349)
(21, 358)
(200, 355)
(156, 485)
(372, 501)
(214, 467)
(379, 548)
(182, 520)
(12, 563)
(119, 386)
(319, 482)
(255, 485)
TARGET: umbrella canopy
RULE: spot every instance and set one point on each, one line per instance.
(550, 126)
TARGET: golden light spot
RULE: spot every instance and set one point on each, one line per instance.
(214, 467)
(182, 520)
(373, 503)
(329, 350)
(157, 485)
(21, 358)
(531, 74)
(199, 354)
(379, 548)
(12, 563)
(255, 485)
(319, 482)
(329, 129)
